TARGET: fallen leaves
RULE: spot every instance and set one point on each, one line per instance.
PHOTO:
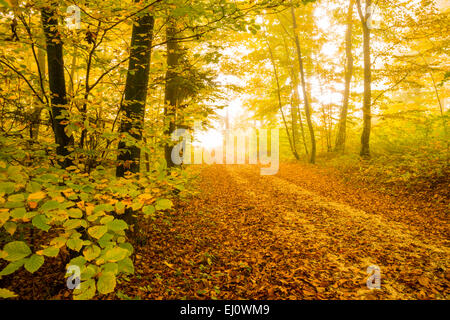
(251, 237)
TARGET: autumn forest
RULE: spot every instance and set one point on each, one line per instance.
(224, 150)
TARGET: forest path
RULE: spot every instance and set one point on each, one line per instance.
(294, 235)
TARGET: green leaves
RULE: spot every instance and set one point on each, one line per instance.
(74, 223)
(16, 250)
(106, 283)
(12, 267)
(40, 222)
(163, 204)
(148, 210)
(116, 254)
(74, 244)
(18, 213)
(84, 202)
(7, 187)
(50, 252)
(98, 231)
(91, 252)
(75, 213)
(117, 225)
(50, 205)
(87, 290)
(34, 263)
(126, 266)
(16, 198)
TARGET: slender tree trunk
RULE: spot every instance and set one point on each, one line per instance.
(57, 83)
(36, 113)
(305, 93)
(275, 71)
(367, 103)
(342, 126)
(171, 90)
(441, 107)
(295, 102)
(136, 94)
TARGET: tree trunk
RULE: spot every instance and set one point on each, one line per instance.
(57, 84)
(365, 138)
(305, 94)
(342, 126)
(37, 110)
(136, 94)
(275, 71)
(171, 90)
(295, 102)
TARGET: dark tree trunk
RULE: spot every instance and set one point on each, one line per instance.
(133, 107)
(57, 84)
(171, 91)
(342, 126)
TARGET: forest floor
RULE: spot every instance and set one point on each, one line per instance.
(308, 232)
(304, 233)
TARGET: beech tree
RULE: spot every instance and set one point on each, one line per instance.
(342, 125)
(136, 88)
(57, 83)
(365, 17)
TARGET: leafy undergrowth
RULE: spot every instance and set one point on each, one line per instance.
(302, 234)
(55, 220)
(419, 176)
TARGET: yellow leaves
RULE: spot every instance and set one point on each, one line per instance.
(36, 196)
(91, 252)
(116, 254)
(97, 232)
(5, 293)
(146, 199)
(89, 209)
(10, 227)
(120, 208)
(4, 216)
(58, 242)
(49, 252)
(68, 192)
(59, 198)
(80, 204)
(169, 265)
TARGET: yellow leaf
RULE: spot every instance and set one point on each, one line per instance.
(37, 196)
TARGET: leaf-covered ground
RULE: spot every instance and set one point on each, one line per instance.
(302, 234)
(305, 233)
